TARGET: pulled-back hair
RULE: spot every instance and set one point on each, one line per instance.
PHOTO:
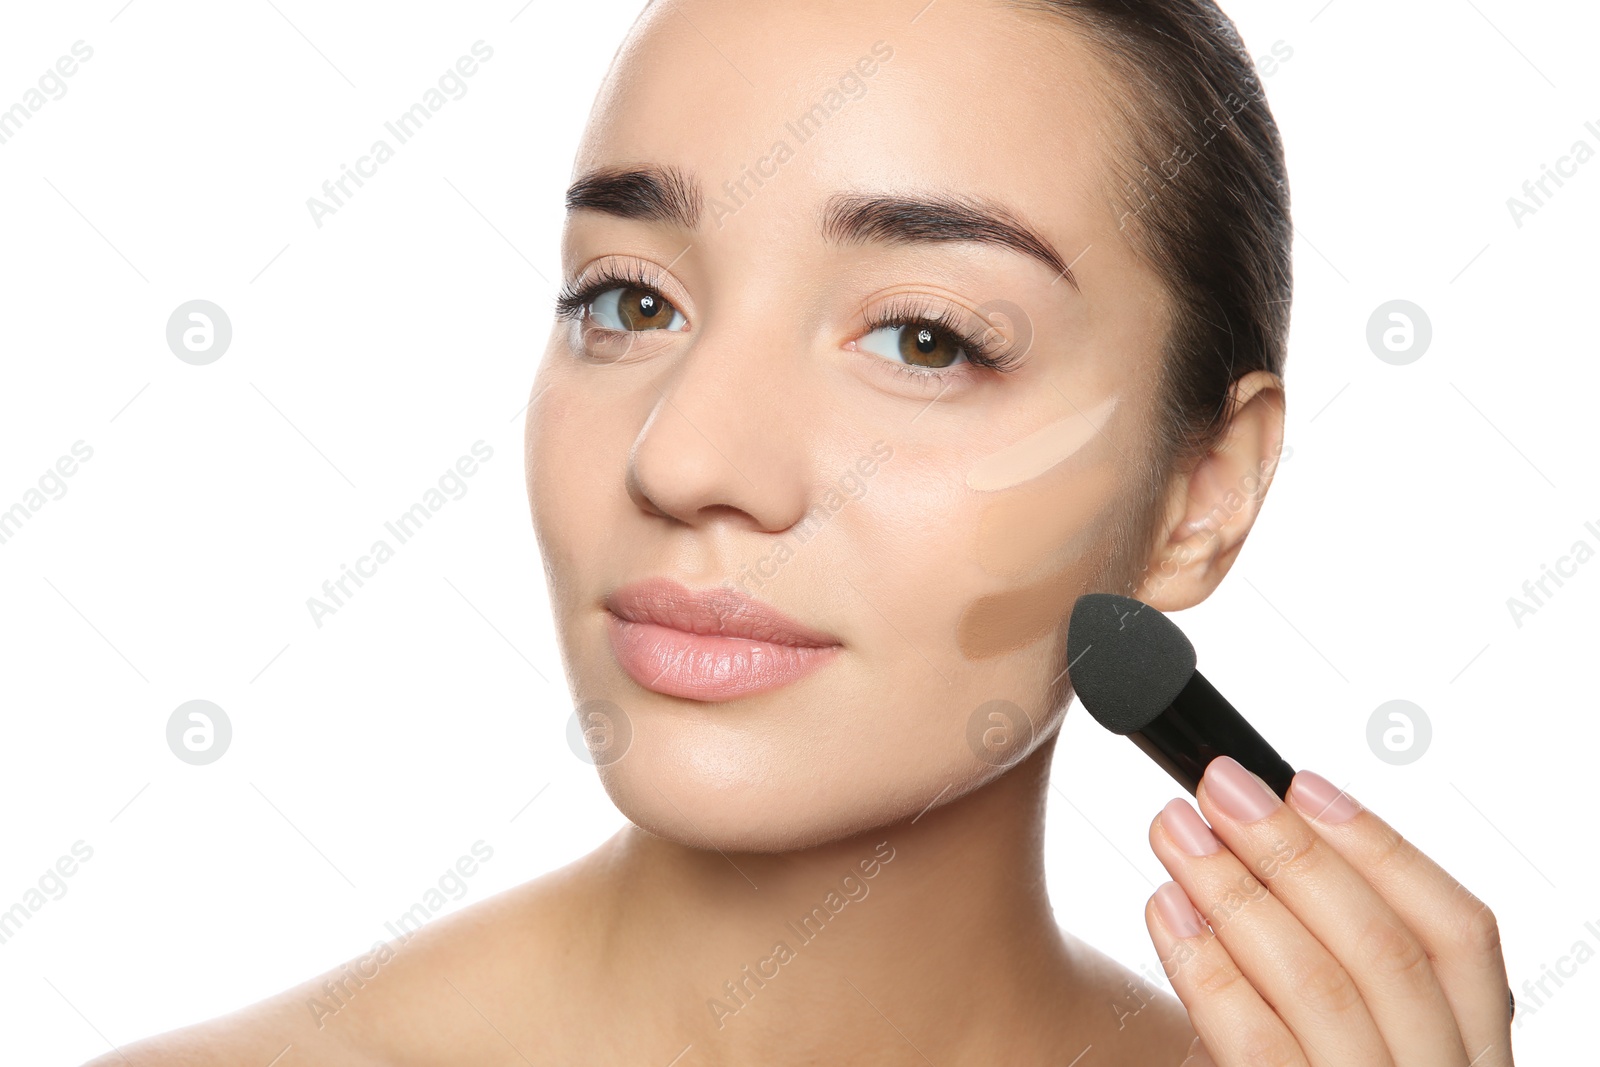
(1202, 196)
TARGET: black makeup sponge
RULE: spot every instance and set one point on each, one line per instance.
(1126, 660)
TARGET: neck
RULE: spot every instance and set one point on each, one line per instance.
(923, 924)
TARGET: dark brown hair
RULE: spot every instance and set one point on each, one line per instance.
(1204, 197)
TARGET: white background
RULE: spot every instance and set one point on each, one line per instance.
(369, 354)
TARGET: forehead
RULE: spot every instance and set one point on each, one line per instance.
(800, 101)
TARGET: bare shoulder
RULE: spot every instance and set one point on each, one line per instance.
(265, 1032)
(1141, 1022)
(455, 990)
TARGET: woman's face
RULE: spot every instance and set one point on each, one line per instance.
(756, 402)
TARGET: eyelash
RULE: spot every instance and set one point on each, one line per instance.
(980, 350)
(573, 300)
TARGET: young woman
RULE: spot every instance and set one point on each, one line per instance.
(889, 329)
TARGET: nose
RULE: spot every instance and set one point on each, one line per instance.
(728, 435)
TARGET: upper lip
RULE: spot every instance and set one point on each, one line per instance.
(717, 611)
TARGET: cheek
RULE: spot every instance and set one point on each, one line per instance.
(1047, 524)
(945, 569)
(1008, 622)
(1047, 540)
(575, 455)
(906, 555)
(1041, 451)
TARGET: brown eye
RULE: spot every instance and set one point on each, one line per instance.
(636, 309)
(922, 345)
(616, 305)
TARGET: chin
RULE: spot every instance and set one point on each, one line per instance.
(705, 784)
(841, 752)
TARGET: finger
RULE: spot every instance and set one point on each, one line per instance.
(1229, 1016)
(1308, 988)
(1387, 961)
(1458, 931)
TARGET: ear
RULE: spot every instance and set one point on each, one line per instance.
(1212, 507)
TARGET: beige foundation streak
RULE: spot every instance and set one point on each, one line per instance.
(1041, 450)
(1035, 524)
(1005, 622)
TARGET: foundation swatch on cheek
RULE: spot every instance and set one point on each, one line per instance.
(1005, 622)
(1039, 528)
(1015, 618)
(1041, 450)
(1047, 519)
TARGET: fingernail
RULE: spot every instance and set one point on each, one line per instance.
(1184, 825)
(1198, 1055)
(1321, 799)
(1240, 794)
(1177, 914)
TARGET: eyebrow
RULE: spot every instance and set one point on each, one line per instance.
(670, 195)
(650, 194)
(909, 219)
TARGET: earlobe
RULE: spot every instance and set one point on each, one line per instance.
(1212, 509)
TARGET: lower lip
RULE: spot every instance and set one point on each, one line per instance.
(706, 667)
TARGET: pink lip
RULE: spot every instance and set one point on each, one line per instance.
(713, 644)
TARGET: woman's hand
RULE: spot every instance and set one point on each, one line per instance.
(1333, 940)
